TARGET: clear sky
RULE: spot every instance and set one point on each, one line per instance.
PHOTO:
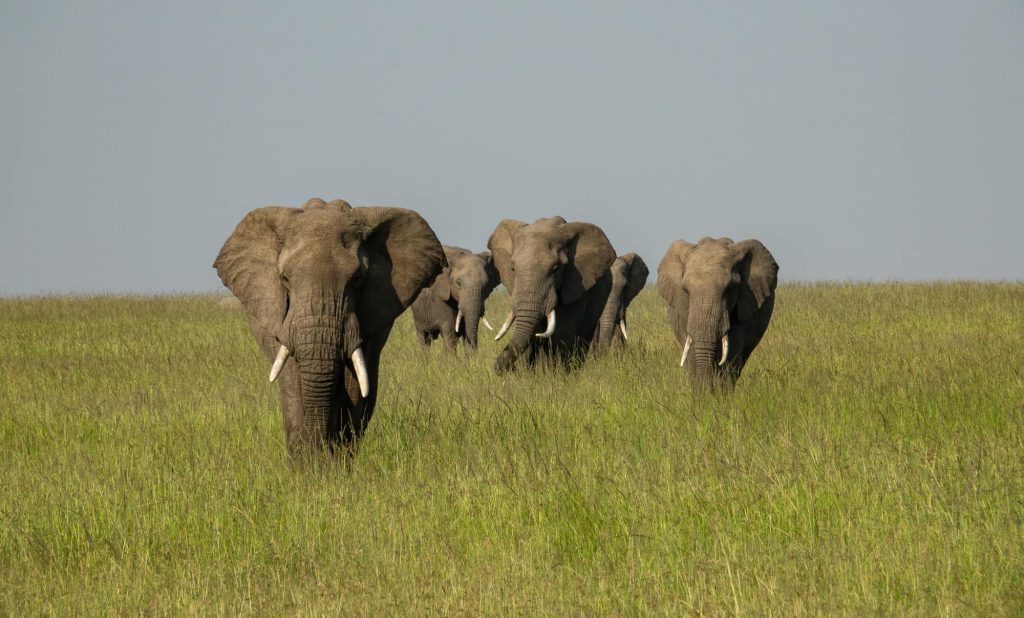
(858, 140)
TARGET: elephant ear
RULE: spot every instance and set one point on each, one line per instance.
(592, 256)
(759, 274)
(247, 265)
(637, 277)
(500, 244)
(670, 274)
(493, 277)
(442, 287)
(404, 256)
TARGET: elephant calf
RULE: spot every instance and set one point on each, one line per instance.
(720, 297)
(453, 307)
(629, 276)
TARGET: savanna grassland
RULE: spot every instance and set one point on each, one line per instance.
(871, 460)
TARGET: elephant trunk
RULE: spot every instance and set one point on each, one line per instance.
(708, 327)
(608, 321)
(319, 356)
(471, 312)
(528, 312)
(528, 316)
(608, 324)
(704, 354)
(606, 330)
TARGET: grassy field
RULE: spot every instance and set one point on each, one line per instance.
(871, 460)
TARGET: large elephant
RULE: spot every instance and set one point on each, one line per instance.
(720, 297)
(322, 286)
(453, 307)
(558, 276)
(629, 276)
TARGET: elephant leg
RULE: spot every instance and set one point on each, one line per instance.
(577, 352)
(352, 420)
(449, 335)
(750, 335)
(746, 338)
(571, 354)
(534, 353)
(735, 368)
(546, 352)
(423, 336)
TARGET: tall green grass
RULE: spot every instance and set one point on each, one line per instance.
(870, 460)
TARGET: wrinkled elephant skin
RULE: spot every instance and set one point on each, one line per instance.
(321, 286)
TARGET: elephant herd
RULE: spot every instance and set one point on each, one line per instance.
(322, 286)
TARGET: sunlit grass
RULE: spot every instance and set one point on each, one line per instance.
(870, 460)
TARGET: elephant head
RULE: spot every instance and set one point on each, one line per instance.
(547, 266)
(720, 295)
(467, 281)
(629, 276)
(321, 286)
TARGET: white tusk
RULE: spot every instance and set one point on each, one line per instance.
(622, 327)
(282, 355)
(458, 320)
(487, 324)
(551, 326)
(364, 379)
(725, 349)
(686, 350)
(504, 327)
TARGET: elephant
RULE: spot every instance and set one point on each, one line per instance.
(720, 297)
(229, 302)
(321, 286)
(454, 305)
(558, 277)
(629, 276)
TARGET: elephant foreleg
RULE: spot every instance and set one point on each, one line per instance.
(423, 336)
(449, 335)
(354, 418)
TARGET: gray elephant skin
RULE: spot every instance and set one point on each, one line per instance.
(453, 306)
(629, 276)
(322, 286)
(720, 298)
(557, 274)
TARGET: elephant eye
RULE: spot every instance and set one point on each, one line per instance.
(555, 267)
(458, 283)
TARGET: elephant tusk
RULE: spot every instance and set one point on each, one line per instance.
(458, 320)
(686, 350)
(725, 349)
(282, 355)
(622, 327)
(487, 324)
(360, 366)
(551, 326)
(504, 327)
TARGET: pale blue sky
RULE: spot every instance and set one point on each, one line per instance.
(864, 140)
